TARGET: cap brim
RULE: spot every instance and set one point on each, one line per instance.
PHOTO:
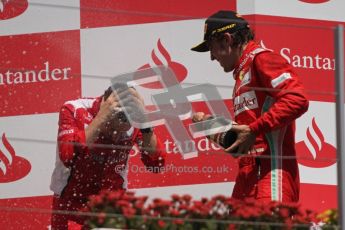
(202, 47)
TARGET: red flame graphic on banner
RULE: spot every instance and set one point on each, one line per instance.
(314, 1)
(325, 153)
(179, 70)
(12, 8)
(12, 167)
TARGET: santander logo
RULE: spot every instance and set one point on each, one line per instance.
(314, 1)
(12, 167)
(12, 8)
(179, 69)
(315, 152)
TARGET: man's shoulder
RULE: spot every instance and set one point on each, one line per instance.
(269, 59)
(85, 102)
(80, 104)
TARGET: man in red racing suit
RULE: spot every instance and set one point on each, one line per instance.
(267, 98)
(92, 154)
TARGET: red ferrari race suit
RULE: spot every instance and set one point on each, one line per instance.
(268, 97)
(80, 170)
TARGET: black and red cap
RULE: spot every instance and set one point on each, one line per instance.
(220, 22)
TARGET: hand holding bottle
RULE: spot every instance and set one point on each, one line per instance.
(224, 139)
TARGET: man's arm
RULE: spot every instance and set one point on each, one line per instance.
(71, 138)
(288, 100)
(149, 142)
(152, 154)
(74, 139)
(151, 147)
(282, 84)
(105, 114)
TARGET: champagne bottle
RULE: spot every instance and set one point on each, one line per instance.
(223, 139)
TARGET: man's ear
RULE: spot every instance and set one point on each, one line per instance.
(228, 39)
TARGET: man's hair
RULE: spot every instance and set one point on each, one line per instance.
(240, 37)
(107, 93)
(243, 36)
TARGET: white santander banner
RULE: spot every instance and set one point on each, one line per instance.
(54, 51)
